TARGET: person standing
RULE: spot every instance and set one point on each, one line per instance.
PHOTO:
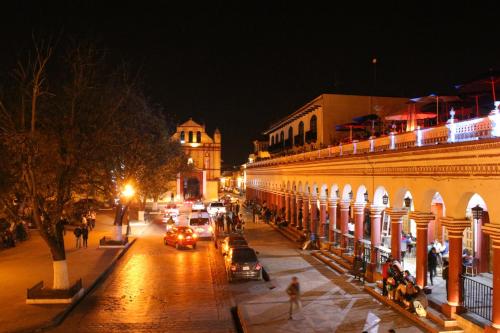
(432, 262)
(293, 292)
(85, 235)
(445, 274)
(78, 235)
(386, 273)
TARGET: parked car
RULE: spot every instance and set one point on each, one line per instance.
(231, 241)
(242, 263)
(216, 207)
(198, 205)
(180, 237)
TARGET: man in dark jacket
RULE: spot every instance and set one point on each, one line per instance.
(78, 235)
(432, 261)
(85, 235)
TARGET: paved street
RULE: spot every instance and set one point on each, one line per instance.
(155, 288)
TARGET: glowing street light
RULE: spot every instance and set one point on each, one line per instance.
(128, 191)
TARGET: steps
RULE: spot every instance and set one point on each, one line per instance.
(435, 322)
(346, 264)
(329, 262)
(289, 232)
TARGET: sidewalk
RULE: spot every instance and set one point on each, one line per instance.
(30, 262)
(330, 302)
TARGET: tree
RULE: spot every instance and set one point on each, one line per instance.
(61, 128)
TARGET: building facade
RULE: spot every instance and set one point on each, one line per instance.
(204, 153)
(438, 183)
(314, 125)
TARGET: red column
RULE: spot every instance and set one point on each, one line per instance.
(359, 215)
(455, 229)
(396, 228)
(313, 207)
(376, 220)
(305, 212)
(322, 218)
(493, 230)
(293, 209)
(422, 220)
(344, 220)
(287, 206)
(332, 213)
(300, 223)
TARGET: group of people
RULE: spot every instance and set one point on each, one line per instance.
(399, 285)
(231, 221)
(81, 231)
(12, 233)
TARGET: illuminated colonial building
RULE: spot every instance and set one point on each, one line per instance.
(314, 125)
(437, 183)
(204, 153)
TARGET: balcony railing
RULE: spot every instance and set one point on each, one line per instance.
(468, 130)
(477, 297)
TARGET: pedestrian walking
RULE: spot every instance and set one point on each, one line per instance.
(293, 292)
(85, 235)
(432, 262)
(78, 235)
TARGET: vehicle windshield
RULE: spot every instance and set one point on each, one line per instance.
(216, 204)
(245, 255)
(198, 221)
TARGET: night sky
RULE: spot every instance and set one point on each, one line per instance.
(241, 67)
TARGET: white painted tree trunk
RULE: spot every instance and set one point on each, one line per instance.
(118, 232)
(61, 278)
(155, 205)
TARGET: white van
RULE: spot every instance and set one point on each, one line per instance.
(199, 221)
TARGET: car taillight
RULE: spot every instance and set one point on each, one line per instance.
(233, 268)
(258, 267)
(180, 237)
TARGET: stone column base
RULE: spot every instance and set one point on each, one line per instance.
(371, 272)
(450, 310)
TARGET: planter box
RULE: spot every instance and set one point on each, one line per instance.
(40, 295)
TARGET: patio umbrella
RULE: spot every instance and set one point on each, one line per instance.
(410, 115)
(369, 118)
(480, 86)
(350, 127)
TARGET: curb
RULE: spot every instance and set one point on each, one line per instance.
(58, 319)
(242, 323)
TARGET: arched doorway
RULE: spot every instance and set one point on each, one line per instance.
(191, 188)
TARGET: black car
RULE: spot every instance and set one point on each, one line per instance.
(232, 241)
(242, 263)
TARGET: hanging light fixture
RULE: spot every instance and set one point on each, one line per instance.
(337, 193)
(366, 196)
(385, 199)
(477, 212)
(407, 202)
(350, 195)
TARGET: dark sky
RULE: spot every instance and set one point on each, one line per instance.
(241, 65)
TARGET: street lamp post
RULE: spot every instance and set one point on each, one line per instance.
(127, 193)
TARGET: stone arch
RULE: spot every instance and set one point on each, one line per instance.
(360, 194)
(333, 192)
(324, 191)
(378, 196)
(345, 192)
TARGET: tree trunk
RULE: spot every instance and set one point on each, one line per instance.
(121, 210)
(155, 204)
(61, 277)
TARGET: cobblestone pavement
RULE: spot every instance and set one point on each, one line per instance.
(155, 288)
